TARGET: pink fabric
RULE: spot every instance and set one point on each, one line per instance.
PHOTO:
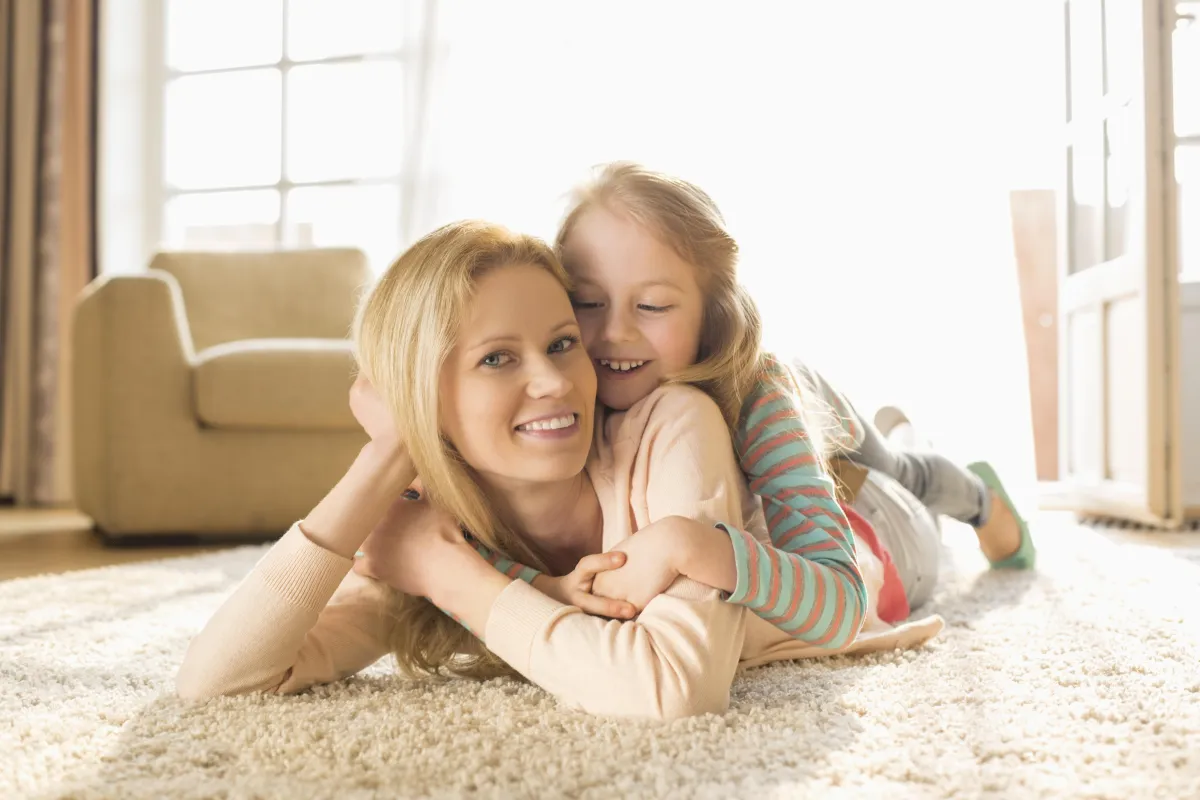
(893, 603)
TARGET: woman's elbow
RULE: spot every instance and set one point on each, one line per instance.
(196, 688)
(675, 690)
(197, 682)
(691, 702)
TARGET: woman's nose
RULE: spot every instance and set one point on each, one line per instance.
(547, 380)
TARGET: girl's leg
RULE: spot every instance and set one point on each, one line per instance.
(943, 486)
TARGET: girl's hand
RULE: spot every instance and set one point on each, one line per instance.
(373, 415)
(654, 556)
(407, 549)
(575, 588)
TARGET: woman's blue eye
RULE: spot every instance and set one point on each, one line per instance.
(564, 344)
(494, 360)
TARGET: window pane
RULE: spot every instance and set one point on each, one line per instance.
(1087, 198)
(1121, 51)
(222, 220)
(345, 121)
(223, 129)
(1187, 72)
(321, 29)
(1187, 174)
(1087, 57)
(358, 216)
(214, 34)
(1116, 228)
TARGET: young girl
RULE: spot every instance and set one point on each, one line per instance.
(656, 295)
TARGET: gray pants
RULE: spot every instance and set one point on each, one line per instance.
(941, 485)
(905, 492)
(908, 531)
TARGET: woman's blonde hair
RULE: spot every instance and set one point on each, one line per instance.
(404, 330)
(731, 359)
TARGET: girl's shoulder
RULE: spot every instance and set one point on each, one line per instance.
(669, 407)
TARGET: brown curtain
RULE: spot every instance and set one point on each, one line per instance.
(47, 232)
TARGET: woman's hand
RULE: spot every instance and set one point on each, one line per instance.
(652, 561)
(575, 588)
(663, 551)
(408, 548)
(373, 415)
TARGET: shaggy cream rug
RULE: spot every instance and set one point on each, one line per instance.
(1082, 680)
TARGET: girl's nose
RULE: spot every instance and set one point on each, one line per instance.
(618, 327)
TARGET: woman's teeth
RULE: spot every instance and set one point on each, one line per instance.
(557, 423)
(621, 366)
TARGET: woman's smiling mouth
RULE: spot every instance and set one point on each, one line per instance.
(559, 426)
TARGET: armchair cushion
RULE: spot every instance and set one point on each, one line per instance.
(282, 384)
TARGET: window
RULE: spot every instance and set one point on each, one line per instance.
(281, 123)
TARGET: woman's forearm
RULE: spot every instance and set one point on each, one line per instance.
(463, 583)
(345, 517)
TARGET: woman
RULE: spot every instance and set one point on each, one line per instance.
(472, 346)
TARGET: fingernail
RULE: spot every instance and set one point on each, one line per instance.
(411, 494)
(616, 558)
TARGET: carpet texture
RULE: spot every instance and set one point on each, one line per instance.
(1082, 680)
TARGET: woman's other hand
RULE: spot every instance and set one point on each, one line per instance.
(661, 552)
(651, 564)
(409, 546)
(373, 415)
(575, 588)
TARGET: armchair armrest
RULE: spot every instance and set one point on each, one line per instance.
(132, 355)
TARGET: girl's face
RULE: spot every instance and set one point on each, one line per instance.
(517, 392)
(639, 305)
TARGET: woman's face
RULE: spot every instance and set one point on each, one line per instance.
(518, 391)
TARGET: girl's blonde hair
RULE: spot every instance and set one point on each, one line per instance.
(731, 359)
(404, 330)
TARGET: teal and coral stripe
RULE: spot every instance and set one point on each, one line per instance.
(509, 567)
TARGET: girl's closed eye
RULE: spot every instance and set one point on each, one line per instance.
(585, 305)
(564, 344)
(654, 309)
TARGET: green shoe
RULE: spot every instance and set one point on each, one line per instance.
(1026, 554)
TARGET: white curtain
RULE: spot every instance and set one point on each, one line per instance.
(862, 153)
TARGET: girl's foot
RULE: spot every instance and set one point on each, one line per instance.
(1004, 538)
(888, 418)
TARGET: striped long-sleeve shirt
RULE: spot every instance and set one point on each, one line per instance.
(806, 582)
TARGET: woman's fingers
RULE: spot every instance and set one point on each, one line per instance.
(604, 607)
(591, 566)
(586, 571)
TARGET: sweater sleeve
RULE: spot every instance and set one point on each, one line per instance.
(678, 658)
(301, 617)
(807, 581)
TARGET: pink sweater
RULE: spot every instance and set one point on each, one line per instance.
(302, 616)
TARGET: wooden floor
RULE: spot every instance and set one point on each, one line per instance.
(41, 541)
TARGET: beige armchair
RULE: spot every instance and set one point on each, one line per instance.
(210, 391)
